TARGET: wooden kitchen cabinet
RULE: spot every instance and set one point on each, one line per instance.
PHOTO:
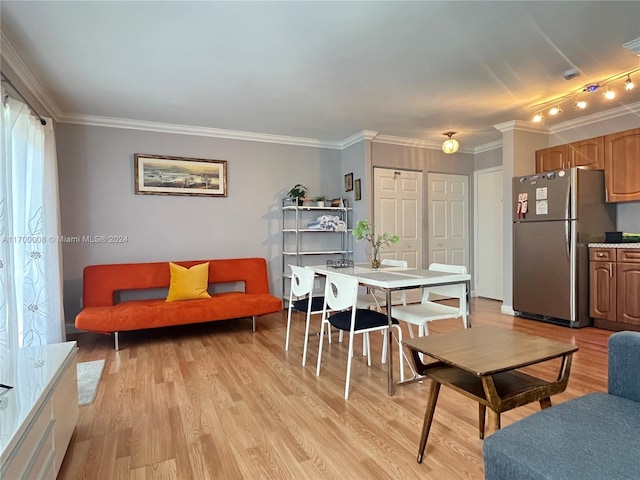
(614, 275)
(622, 166)
(628, 278)
(602, 285)
(587, 154)
(552, 158)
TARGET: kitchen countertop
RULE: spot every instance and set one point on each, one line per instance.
(614, 245)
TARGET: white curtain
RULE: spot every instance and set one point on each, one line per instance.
(31, 310)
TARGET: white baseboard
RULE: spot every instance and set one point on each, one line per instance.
(507, 310)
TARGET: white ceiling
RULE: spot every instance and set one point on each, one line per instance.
(322, 70)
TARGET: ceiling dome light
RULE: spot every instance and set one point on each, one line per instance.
(554, 110)
(609, 94)
(628, 84)
(450, 145)
(537, 118)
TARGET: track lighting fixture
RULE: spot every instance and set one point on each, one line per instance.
(628, 84)
(552, 107)
(450, 145)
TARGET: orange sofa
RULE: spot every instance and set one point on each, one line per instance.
(102, 285)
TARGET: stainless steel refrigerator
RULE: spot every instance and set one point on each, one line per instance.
(555, 215)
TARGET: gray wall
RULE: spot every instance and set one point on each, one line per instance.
(97, 198)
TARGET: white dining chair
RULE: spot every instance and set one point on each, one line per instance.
(378, 299)
(421, 314)
(302, 300)
(341, 295)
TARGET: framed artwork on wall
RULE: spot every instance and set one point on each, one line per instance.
(348, 182)
(358, 193)
(162, 175)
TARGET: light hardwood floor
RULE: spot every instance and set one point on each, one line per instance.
(216, 401)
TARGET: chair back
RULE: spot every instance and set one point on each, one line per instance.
(390, 262)
(450, 291)
(340, 291)
(302, 280)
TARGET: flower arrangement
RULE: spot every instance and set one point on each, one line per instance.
(363, 230)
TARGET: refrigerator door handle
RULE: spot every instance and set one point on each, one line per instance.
(567, 237)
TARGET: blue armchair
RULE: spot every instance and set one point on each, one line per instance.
(595, 436)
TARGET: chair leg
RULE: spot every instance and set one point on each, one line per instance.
(306, 340)
(349, 360)
(320, 348)
(368, 349)
(253, 324)
(286, 338)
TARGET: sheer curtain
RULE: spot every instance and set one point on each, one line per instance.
(30, 255)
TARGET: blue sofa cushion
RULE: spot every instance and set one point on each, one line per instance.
(596, 436)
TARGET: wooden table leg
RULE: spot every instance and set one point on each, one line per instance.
(494, 421)
(482, 410)
(545, 403)
(434, 390)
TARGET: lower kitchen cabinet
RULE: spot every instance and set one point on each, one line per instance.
(615, 288)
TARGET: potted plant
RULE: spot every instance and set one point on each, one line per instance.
(320, 199)
(364, 229)
(297, 193)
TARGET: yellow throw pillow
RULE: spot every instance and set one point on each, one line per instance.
(188, 283)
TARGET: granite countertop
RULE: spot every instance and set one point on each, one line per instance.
(614, 245)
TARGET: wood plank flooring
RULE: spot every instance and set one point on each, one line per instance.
(216, 401)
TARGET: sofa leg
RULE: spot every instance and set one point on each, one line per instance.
(117, 343)
(253, 328)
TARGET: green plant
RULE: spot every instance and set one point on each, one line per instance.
(364, 230)
(319, 198)
(298, 191)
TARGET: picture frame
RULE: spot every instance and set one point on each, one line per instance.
(348, 182)
(164, 175)
(358, 191)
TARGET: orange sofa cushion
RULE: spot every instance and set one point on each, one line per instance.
(101, 283)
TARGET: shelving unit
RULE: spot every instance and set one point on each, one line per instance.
(307, 246)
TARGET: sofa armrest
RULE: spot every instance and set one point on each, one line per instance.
(624, 362)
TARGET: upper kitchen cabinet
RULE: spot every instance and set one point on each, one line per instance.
(552, 158)
(622, 166)
(587, 154)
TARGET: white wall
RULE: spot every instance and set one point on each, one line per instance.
(97, 198)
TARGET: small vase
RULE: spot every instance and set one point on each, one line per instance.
(375, 257)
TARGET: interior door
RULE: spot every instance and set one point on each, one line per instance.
(398, 210)
(488, 227)
(448, 219)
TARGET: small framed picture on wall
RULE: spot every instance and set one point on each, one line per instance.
(358, 192)
(348, 182)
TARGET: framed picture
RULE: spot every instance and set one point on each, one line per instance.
(348, 182)
(160, 175)
(358, 193)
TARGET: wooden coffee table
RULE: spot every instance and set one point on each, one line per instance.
(481, 363)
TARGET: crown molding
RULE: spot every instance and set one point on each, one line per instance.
(111, 122)
(357, 138)
(631, 109)
(26, 76)
(521, 126)
(486, 147)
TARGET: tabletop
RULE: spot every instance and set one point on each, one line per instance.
(394, 277)
(486, 350)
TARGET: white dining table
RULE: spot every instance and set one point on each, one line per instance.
(392, 278)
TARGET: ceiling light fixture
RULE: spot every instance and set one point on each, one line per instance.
(451, 145)
(628, 84)
(553, 106)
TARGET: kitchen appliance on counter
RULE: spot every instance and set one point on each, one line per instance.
(556, 214)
